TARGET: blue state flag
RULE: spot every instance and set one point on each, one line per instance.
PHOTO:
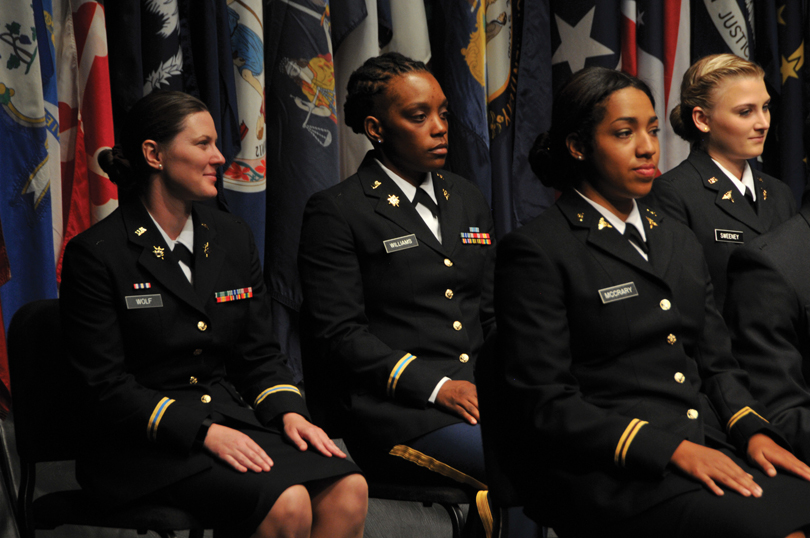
(25, 199)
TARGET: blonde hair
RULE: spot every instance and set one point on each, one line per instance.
(699, 82)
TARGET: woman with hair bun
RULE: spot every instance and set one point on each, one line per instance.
(629, 415)
(724, 114)
(188, 397)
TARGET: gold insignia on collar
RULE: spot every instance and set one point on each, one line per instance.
(581, 216)
(204, 225)
(712, 180)
(438, 175)
(764, 194)
(140, 231)
(205, 248)
(393, 199)
(727, 196)
(651, 212)
(158, 252)
(604, 224)
(375, 184)
(652, 223)
(446, 194)
(760, 179)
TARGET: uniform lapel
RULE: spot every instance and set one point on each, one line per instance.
(451, 211)
(392, 204)
(727, 196)
(208, 255)
(659, 239)
(155, 256)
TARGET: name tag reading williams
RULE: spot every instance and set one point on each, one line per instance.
(144, 301)
(617, 293)
(728, 236)
(400, 243)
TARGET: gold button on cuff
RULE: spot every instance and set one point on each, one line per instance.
(448, 294)
(464, 357)
(665, 304)
(192, 380)
(457, 325)
(448, 262)
(202, 325)
(205, 398)
(692, 413)
(679, 377)
(198, 352)
(671, 339)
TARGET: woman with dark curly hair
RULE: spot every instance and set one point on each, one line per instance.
(189, 400)
(631, 416)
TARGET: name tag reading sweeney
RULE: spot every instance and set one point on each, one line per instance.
(144, 301)
(400, 243)
(728, 236)
(617, 293)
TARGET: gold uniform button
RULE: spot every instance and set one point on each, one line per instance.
(665, 304)
(692, 413)
(205, 398)
(448, 262)
(671, 339)
(448, 294)
(202, 325)
(464, 357)
(457, 325)
(192, 381)
(198, 352)
(679, 377)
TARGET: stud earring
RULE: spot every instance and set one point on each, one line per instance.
(379, 140)
(160, 166)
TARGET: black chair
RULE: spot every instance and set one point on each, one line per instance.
(44, 387)
(321, 400)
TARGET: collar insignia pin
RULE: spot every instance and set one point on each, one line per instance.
(652, 223)
(205, 249)
(393, 199)
(446, 194)
(727, 196)
(204, 225)
(764, 194)
(140, 231)
(375, 184)
(581, 216)
(158, 252)
(712, 180)
(604, 224)
(760, 179)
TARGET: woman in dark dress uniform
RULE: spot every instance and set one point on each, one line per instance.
(189, 399)
(631, 414)
(724, 114)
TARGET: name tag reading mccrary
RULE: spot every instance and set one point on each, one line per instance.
(144, 301)
(728, 236)
(400, 243)
(617, 293)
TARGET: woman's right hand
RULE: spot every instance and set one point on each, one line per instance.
(236, 449)
(711, 466)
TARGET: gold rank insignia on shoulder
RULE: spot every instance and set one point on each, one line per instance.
(652, 223)
(727, 196)
(604, 224)
(205, 249)
(393, 199)
(446, 194)
(712, 180)
(764, 194)
(158, 252)
(581, 216)
(375, 184)
(140, 231)
(204, 225)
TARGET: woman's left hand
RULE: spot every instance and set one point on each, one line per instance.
(299, 430)
(768, 455)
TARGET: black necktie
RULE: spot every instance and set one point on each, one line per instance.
(634, 236)
(181, 253)
(750, 197)
(422, 197)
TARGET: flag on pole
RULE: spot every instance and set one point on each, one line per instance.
(721, 26)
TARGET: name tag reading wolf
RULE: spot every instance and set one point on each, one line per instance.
(144, 301)
(400, 243)
(617, 293)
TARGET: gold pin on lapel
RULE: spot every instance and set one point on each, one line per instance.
(205, 249)
(140, 231)
(204, 225)
(438, 175)
(581, 216)
(764, 194)
(712, 180)
(651, 212)
(760, 179)
(604, 224)
(393, 199)
(158, 253)
(652, 223)
(727, 196)
(446, 194)
(375, 184)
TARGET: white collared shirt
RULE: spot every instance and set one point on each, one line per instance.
(741, 184)
(186, 237)
(410, 191)
(633, 219)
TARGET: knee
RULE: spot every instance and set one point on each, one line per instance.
(290, 517)
(347, 499)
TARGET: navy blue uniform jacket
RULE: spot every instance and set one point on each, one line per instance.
(391, 325)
